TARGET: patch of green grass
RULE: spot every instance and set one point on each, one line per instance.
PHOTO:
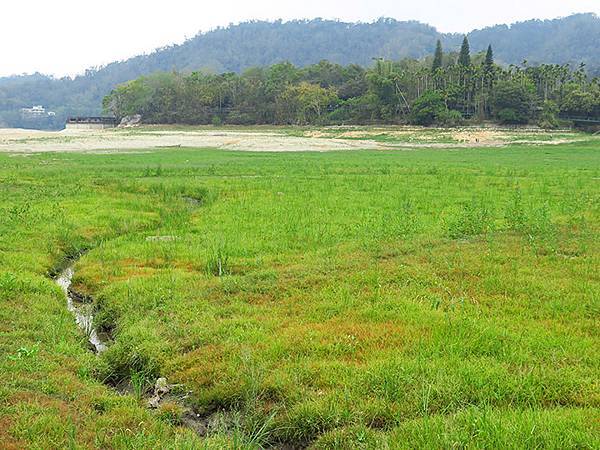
(430, 298)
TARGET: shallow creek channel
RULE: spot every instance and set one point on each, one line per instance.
(82, 310)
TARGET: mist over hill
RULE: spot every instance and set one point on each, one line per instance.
(571, 40)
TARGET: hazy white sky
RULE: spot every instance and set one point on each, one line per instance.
(66, 36)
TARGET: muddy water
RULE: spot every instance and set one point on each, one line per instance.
(81, 311)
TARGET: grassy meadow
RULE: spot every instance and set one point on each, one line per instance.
(432, 298)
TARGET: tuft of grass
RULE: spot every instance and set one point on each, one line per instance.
(139, 384)
(9, 285)
(171, 413)
(473, 219)
(218, 261)
(25, 353)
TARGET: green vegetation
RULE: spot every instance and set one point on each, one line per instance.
(409, 299)
(390, 92)
(569, 40)
(438, 57)
(513, 103)
(464, 57)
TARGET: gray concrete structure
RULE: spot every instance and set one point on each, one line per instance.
(90, 123)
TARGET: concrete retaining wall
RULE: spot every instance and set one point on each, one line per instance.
(88, 126)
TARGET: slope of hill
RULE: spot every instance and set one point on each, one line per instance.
(568, 40)
(573, 40)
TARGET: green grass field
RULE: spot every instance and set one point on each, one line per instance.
(384, 299)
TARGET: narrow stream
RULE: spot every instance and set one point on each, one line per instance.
(84, 318)
(83, 312)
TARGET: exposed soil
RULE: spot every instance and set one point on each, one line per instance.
(418, 137)
(26, 141)
(272, 140)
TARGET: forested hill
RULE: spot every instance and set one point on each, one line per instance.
(568, 40)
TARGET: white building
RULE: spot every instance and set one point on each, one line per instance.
(35, 112)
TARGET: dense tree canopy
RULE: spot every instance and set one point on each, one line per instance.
(388, 92)
(513, 101)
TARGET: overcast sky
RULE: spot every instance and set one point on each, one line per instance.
(66, 36)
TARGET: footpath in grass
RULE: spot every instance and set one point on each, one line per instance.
(412, 299)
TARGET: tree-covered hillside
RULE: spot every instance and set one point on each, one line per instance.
(571, 40)
(238, 47)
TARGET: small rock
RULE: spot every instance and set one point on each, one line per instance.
(130, 121)
(161, 387)
(154, 402)
(161, 238)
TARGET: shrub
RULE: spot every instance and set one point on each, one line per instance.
(428, 108)
(512, 102)
(450, 118)
(508, 116)
(473, 219)
(515, 214)
(535, 221)
(581, 102)
(549, 116)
